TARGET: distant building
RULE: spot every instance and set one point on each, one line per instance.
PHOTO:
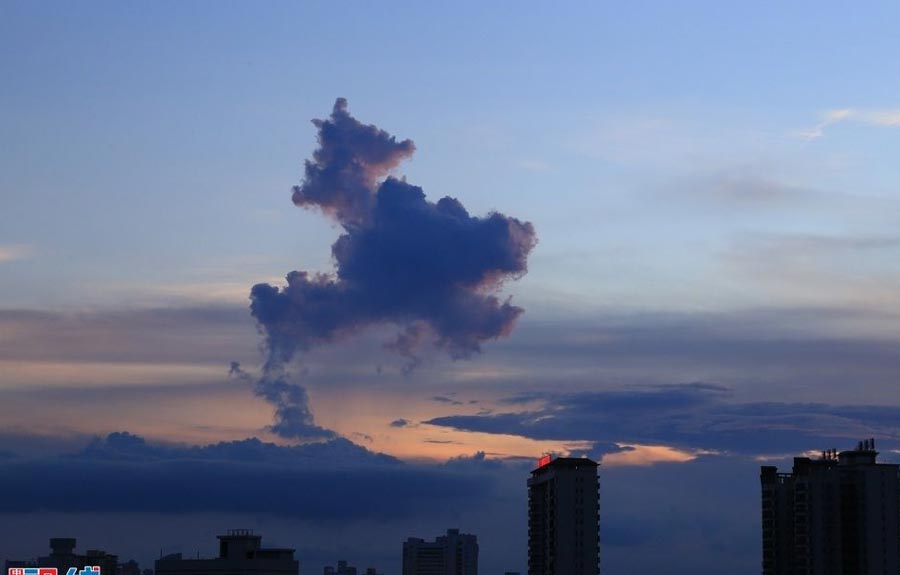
(563, 517)
(341, 569)
(344, 569)
(240, 553)
(130, 567)
(836, 515)
(452, 554)
(63, 556)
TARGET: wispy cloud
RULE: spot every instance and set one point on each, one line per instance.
(14, 252)
(886, 117)
(819, 269)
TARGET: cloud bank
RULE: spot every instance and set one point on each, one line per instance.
(338, 480)
(689, 416)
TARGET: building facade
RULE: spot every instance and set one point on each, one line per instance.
(240, 553)
(452, 554)
(564, 517)
(834, 515)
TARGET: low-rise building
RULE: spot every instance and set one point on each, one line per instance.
(344, 569)
(240, 553)
(63, 557)
(452, 554)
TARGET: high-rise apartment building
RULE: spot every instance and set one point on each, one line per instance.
(452, 554)
(564, 517)
(834, 515)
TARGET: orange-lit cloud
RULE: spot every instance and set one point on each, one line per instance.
(643, 455)
(363, 411)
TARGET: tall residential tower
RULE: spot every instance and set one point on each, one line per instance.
(563, 517)
(835, 515)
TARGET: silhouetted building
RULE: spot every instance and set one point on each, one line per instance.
(452, 554)
(341, 569)
(63, 556)
(344, 569)
(240, 553)
(130, 567)
(564, 517)
(836, 515)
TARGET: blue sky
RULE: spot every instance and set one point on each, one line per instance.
(610, 127)
(713, 188)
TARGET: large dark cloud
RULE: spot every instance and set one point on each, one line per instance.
(401, 259)
(695, 415)
(428, 267)
(328, 481)
(338, 453)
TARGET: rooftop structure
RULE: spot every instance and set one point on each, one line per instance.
(240, 553)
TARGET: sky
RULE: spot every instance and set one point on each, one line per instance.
(677, 254)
